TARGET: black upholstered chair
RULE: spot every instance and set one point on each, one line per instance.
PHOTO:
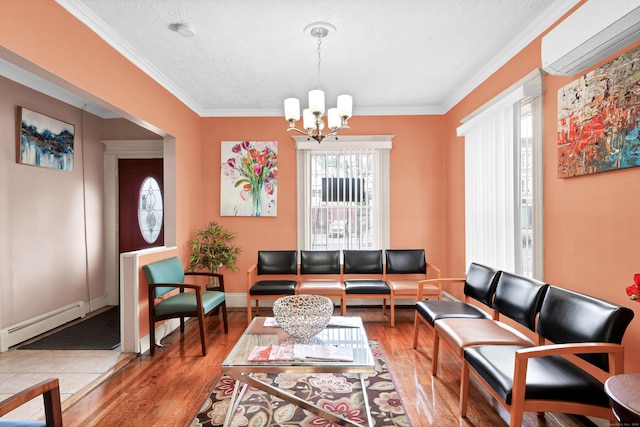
(320, 274)
(273, 276)
(367, 263)
(404, 269)
(479, 285)
(517, 298)
(567, 375)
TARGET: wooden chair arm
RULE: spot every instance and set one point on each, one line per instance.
(252, 275)
(569, 348)
(439, 281)
(433, 268)
(209, 274)
(203, 273)
(615, 351)
(182, 286)
(50, 391)
(443, 280)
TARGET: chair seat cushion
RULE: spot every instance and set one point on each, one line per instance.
(433, 310)
(410, 287)
(460, 333)
(548, 378)
(321, 287)
(186, 302)
(366, 286)
(273, 287)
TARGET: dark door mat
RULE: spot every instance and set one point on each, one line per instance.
(99, 332)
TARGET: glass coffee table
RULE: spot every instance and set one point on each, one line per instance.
(341, 332)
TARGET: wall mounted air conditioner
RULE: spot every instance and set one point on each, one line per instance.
(596, 29)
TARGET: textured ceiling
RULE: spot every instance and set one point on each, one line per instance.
(247, 56)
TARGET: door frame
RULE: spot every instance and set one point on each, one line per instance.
(133, 149)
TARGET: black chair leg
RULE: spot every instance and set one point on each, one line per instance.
(224, 317)
(152, 337)
(201, 324)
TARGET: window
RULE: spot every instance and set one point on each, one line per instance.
(503, 181)
(343, 193)
(150, 210)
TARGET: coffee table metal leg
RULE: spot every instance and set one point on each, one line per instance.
(247, 379)
(365, 398)
(235, 399)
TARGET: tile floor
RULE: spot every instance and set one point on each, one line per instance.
(77, 370)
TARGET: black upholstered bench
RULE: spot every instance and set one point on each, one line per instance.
(565, 376)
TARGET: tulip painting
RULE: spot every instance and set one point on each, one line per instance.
(248, 184)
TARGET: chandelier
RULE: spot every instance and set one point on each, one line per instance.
(312, 120)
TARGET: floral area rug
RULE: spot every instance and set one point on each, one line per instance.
(339, 393)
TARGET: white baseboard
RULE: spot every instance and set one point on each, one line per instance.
(35, 326)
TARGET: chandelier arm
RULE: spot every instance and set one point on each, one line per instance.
(298, 130)
(336, 130)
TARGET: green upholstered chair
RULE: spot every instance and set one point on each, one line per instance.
(168, 275)
(50, 392)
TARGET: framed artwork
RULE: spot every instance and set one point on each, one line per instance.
(44, 141)
(598, 117)
(249, 178)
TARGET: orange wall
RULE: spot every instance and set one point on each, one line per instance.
(417, 193)
(78, 59)
(590, 238)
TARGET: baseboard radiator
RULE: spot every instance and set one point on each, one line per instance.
(40, 324)
(446, 296)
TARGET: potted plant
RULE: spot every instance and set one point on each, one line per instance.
(211, 248)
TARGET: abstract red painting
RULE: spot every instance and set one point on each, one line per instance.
(598, 117)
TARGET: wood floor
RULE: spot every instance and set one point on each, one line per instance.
(168, 389)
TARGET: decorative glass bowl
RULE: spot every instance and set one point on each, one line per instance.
(303, 316)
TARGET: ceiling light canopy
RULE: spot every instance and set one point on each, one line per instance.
(312, 120)
(184, 29)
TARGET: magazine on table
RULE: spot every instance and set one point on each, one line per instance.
(322, 352)
(283, 351)
(259, 353)
(300, 352)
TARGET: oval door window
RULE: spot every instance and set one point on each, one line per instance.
(150, 210)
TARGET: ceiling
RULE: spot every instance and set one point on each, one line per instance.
(247, 56)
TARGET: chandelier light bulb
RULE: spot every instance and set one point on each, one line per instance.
(308, 120)
(333, 118)
(316, 101)
(345, 105)
(292, 109)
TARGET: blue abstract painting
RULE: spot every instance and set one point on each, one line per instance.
(44, 141)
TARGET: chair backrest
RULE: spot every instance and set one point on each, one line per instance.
(165, 271)
(519, 298)
(362, 261)
(480, 283)
(568, 316)
(406, 261)
(319, 262)
(277, 262)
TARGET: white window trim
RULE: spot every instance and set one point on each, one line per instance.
(303, 145)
